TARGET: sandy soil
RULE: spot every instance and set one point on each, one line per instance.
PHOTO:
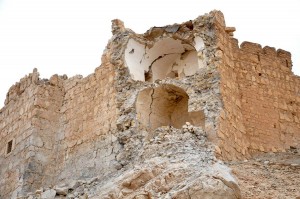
(269, 176)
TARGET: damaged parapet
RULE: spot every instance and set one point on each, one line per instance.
(189, 85)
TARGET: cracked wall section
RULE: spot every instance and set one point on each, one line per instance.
(166, 105)
(167, 57)
(202, 87)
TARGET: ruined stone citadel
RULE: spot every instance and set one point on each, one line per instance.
(154, 120)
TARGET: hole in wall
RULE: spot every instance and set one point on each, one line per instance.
(132, 51)
(168, 57)
(189, 25)
(166, 105)
(9, 147)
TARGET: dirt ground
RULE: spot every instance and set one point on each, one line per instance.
(271, 175)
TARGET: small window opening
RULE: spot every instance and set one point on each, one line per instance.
(259, 74)
(9, 146)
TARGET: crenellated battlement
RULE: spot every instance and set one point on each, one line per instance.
(257, 84)
(251, 47)
(268, 51)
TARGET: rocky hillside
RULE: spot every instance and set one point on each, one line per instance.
(173, 163)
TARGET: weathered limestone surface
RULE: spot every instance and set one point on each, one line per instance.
(172, 164)
(59, 130)
(260, 95)
(152, 120)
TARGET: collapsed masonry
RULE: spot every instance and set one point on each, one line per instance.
(245, 99)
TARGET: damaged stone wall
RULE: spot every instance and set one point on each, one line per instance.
(231, 142)
(85, 140)
(166, 105)
(16, 118)
(45, 122)
(29, 119)
(167, 57)
(261, 98)
(269, 97)
(199, 87)
(58, 129)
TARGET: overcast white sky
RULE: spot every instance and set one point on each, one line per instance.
(69, 36)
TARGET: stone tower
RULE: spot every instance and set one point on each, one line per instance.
(245, 98)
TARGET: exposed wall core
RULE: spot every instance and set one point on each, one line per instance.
(166, 105)
(166, 58)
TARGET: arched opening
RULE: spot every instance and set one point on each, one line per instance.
(166, 105)
(166, 58)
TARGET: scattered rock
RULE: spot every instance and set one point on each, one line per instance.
(266, 162)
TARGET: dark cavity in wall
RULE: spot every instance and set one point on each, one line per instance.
(9, 147)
